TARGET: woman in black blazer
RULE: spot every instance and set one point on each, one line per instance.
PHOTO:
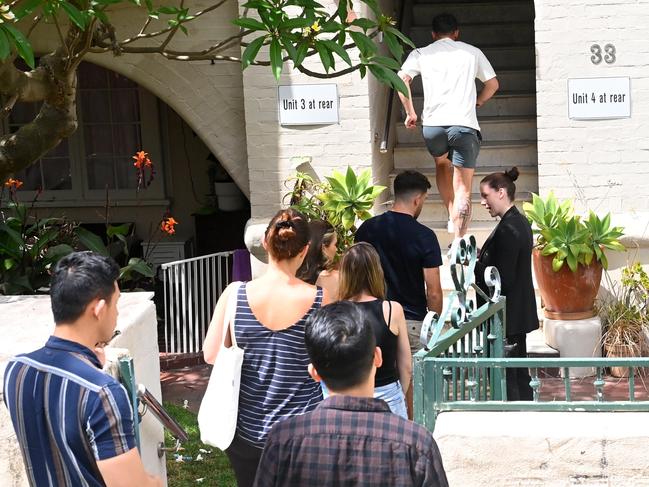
(509, 249)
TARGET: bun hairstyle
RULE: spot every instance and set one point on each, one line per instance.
(499, 180)
(287, 234)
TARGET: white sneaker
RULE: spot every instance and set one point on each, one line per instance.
(450, 228)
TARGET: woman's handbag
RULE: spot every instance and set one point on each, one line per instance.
(217, 416)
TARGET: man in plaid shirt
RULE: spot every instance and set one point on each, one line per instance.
(350, 438)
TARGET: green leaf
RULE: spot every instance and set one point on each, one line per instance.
(91, 241)
(338, 49)
(276, 58)
(23, 46)
(386, 61)
(26, 8)
(8, 264)
(137, 265)
(393, 44)
(289, 47)
(5, 46)
(325, 56)
(387, 76)
(557, 264)
(249, 23)
(251, 51)
(77, 17)
(350, 181)
(405, 39)
(55, 253)
(297, 23)
(302, 50)
(364, 24)
(348, 219)
(364, 43)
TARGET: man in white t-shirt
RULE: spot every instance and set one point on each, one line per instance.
(450, 126)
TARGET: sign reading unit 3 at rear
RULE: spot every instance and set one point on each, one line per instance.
(599, 98)
(308, 104)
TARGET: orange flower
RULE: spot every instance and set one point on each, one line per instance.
(168, 225)
(142, 159)
(13, 184)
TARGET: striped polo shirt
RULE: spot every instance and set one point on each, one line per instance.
(67, 414)
(275, 383)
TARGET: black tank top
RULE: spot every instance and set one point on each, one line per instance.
(385, 339)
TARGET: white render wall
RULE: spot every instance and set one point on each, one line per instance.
(272, 148)
(601, 164)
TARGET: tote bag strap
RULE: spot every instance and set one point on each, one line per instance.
(230, 313)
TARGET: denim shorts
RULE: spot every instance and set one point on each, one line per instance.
(461, 143)
(391, 393)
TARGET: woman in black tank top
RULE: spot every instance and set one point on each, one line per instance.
(362, 281)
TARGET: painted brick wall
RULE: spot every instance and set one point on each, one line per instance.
(601, 164)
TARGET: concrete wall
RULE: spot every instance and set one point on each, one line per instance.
(271, 147)
(537, 449)
(28, 321)
(601, 164)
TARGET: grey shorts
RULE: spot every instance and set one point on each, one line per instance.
(461, 143)
(414, 330)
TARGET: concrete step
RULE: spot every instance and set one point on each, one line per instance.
(492, 129)
(527, 179)
(483, 35)
(503, 103)
(521, 79)
(520, 153)
(478, 12)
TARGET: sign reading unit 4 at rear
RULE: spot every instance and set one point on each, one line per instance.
(599, 98)
(308, 104)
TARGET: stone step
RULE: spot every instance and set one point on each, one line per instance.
(527, 179)
(520, 79)
(478, 12)
(483, 35)
(520, 153)
(503, 103)
(492, 129)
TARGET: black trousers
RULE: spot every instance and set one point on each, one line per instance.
(518, 380)
(244, 458)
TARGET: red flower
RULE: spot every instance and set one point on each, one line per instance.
(142, 160)
(13, 184)
(168, 225)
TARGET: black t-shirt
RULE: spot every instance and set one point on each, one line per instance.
(406, 248)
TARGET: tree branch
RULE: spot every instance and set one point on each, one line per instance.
(335, 74)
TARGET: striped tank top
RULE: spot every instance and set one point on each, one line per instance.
(275, 383)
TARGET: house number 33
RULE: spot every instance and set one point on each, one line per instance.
(608, 54)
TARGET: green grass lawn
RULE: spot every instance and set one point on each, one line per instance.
(214, 468)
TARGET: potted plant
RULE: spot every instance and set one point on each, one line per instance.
(228, 195)
(342, 200)
(569, 256)
(625, 316)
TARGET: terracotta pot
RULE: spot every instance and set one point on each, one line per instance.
(567, 295)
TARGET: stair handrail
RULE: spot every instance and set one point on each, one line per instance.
(383, 147)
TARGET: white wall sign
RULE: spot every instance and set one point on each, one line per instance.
(308, 104)
(599, 98)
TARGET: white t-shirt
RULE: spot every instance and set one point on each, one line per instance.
(448, 71)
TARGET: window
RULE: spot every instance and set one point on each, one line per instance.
(116, 118)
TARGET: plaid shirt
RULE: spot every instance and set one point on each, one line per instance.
(349, 441)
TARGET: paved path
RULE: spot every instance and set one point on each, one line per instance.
(186, 384)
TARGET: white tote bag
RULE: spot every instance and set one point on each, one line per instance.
(217, 416)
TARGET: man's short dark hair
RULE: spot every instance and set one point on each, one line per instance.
(408, 183)
(78, 278)
(444, 24)
(340, 342)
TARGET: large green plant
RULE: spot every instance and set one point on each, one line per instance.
(562, 234)
(342, 200)
(29, 245)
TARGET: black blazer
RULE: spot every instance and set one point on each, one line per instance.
(509, 249)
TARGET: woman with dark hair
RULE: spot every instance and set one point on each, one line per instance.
(509, 249)
(362, 282)
(269, 326)
(318, 266)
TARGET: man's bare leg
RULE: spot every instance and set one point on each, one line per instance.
(444, 180)
(462, 178)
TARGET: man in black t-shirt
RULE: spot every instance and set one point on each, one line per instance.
(409, 251)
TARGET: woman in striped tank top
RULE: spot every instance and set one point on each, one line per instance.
(269, 327)
(362, 281)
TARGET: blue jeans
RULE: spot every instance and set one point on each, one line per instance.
(392, 394)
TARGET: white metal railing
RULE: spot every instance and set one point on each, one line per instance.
(191, 290)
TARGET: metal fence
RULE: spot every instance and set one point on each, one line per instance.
(191, 290)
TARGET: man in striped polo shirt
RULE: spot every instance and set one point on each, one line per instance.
(73, 422)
